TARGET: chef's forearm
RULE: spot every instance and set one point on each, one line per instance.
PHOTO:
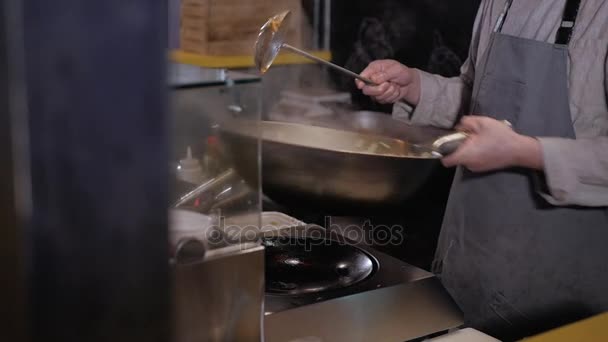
(441, 102)
(528, 153)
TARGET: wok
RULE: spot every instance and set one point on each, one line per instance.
(329, 167)
(298, 266)
(369, 122)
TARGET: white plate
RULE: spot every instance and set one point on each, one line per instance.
(186, 224)
(465, 335)
(272, 220)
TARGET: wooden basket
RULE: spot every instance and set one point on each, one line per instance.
(230, 27)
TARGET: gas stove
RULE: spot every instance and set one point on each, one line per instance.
(388, 271)
(397, 302)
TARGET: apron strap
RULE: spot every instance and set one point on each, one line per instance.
(564, 33)
(503, 17)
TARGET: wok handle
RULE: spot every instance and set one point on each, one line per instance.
(448, 144)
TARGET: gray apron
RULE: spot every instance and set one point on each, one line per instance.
(514, 264)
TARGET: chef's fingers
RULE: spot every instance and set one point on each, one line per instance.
(388, 94)
(395, 98)
(383, 71)
(373, 68)
(460, 156)
(398, 71)
(452, 160)
(360, 84)
(376, 91)
(389, 73)
(472, 124)
(390, 91)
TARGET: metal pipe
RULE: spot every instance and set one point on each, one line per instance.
(329, 64)
(211, 184)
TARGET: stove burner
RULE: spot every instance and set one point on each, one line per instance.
(299, 266)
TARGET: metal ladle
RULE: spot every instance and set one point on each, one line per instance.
(271, 40)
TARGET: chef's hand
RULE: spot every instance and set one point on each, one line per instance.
(492, 145)
(395, 82)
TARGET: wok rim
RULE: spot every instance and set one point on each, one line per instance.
(266, 123)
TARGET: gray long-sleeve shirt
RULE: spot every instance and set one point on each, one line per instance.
(576, 170)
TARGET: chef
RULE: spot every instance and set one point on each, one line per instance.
(524, 243)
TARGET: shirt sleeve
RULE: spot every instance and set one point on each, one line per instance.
(443, 100)
(576, 171)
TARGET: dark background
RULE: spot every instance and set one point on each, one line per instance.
(431, 35)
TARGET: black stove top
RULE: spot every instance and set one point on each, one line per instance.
(389, 272)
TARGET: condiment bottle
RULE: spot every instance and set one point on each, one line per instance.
(189, 169)
(214, 159)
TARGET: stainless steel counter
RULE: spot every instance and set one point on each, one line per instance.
(399, 302)
(397, 313)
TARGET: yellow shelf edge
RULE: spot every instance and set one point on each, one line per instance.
(204, 61)
(589, 330)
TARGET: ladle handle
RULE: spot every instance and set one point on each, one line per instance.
(332, 65)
